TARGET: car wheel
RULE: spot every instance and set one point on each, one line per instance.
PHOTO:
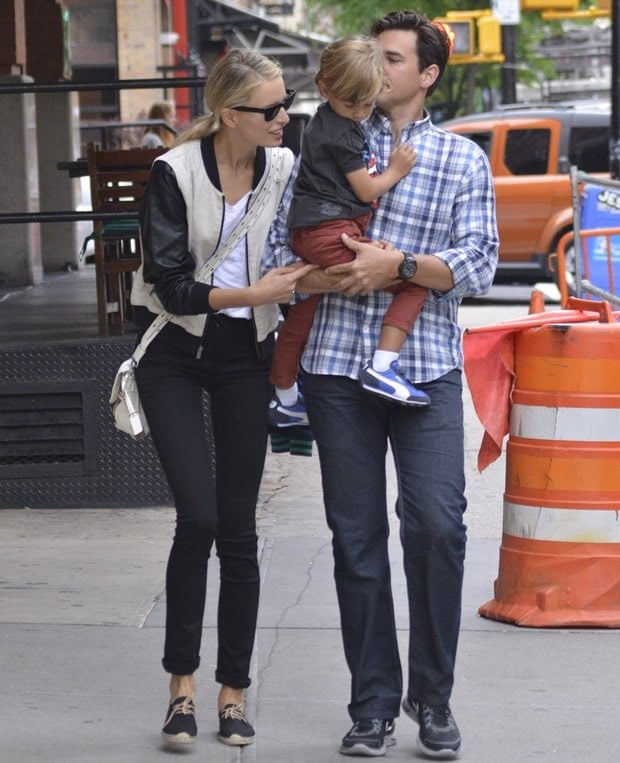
(570, 275)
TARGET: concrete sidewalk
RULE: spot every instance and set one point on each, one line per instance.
(81, 633)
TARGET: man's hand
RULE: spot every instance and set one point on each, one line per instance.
(374, 267)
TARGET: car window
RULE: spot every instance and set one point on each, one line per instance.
(527, 151)
(483, 139)
(588, 149)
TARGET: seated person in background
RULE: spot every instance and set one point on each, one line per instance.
(156, 136)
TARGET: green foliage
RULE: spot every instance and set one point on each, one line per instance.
(464, 87)
(345, 17)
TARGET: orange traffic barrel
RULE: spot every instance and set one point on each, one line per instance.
(559, 561)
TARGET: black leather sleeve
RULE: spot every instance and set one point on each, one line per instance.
(167, 262)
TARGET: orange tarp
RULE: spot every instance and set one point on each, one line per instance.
(489, 368)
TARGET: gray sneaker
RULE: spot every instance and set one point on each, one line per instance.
(439, 735)
(368, 738)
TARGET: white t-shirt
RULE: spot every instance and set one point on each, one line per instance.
(151, 140)
(233, 272)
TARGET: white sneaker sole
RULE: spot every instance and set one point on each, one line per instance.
(362, 750)
(437, 754)
(235, 740)
(288, 424)
(181, 739)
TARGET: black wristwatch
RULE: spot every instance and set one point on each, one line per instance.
(408, 267)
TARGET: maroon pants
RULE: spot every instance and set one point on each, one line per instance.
(321, 245)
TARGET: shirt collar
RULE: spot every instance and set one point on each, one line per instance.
(380, 123)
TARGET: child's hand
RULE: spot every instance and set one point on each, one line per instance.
(402, 159)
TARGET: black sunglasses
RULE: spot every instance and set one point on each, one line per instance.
(271, 112)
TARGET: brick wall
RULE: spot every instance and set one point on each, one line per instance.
(139, 53)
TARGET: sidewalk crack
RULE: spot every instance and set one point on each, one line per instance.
(309, 577)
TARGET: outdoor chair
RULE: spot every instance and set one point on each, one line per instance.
(118, 180)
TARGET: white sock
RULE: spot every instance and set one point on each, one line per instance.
(382, 359)
(288, 396)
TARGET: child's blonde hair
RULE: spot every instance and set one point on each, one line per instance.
(352, 69)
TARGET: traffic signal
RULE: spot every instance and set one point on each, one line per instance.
(461, 34)
(549, 5)
(489, 36)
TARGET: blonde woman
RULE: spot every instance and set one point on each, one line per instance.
(219, 340)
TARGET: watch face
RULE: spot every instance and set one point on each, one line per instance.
(408, 268)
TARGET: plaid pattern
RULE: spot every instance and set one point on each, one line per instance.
(444, 207)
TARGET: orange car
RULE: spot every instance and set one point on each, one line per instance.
(531, 150)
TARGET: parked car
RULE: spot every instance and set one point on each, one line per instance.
(531, 149)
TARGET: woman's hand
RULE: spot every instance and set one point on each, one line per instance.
(278, 286)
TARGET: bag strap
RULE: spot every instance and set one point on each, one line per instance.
(262, 197)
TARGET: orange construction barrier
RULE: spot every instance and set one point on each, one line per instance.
(537, 302)
(560, 551)
(489, 365)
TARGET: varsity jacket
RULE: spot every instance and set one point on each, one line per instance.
(181, 226)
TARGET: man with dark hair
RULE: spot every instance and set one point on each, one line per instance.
(438, 229)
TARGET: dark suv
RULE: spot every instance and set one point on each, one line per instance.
(531, 150)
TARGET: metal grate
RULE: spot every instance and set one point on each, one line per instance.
(46, 428)
(113, 469)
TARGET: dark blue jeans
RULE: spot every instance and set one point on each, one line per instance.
(352, 430)
(214, 466)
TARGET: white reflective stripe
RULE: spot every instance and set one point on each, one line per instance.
(571, 525)
(582, 424)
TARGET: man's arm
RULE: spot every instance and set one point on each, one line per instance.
(318, 282)
(277, 252)
(463, 267)
(376, 267)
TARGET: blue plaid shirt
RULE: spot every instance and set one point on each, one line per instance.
(446, 207)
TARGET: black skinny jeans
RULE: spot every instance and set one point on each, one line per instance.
(214, 468)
